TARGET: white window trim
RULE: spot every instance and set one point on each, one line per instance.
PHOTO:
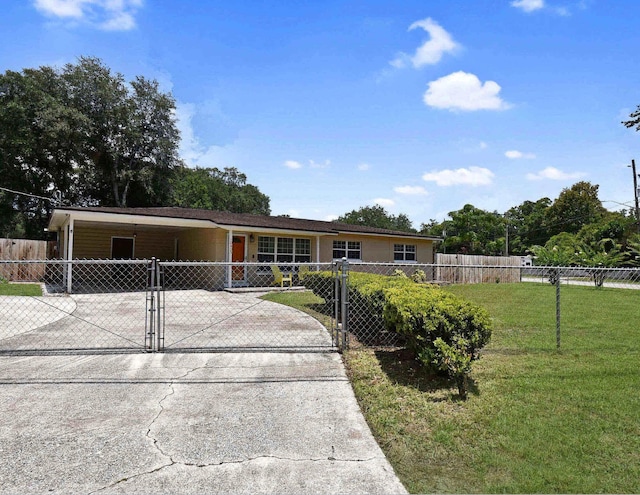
(346, 250)
(133, 246)
(275, 253)
(404, 253)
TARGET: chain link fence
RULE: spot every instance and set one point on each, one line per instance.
(144, 305)
(226, 306)
(105, 310)
(365, 319)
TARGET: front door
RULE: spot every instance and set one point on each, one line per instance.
(237, 255)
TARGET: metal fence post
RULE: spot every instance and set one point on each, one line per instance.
(344, 300)
(159, 294)
(150, 319)
(557, 280)
(336, 303)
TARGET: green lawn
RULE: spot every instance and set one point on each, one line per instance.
(8, 289)
(539, 420)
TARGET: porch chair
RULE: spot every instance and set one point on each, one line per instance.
(303, 271)
(281, 278)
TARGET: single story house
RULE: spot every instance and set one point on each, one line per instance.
(183, 234)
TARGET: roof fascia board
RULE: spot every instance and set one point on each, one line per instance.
(269, 230)
(125, 218)
(398, 236)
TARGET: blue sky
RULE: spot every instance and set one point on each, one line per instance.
(419, 106)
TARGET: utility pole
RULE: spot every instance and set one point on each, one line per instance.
(506, 240)
(635, 191)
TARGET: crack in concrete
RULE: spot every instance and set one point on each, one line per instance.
(152, 438)
(173, 462)
(279, 458)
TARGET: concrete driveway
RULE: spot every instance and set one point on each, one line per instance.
(261, 422)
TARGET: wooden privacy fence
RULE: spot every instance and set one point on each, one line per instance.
(475, 269)
(24, 249)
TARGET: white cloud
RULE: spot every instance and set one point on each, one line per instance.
(528, 5)
(292, 164)
(326, 164)
(410, 190)
(108, 15)
(431, 51)
(190, 149)
(331, 218)
(61, 8)
(515, 155)
(472, 176)
(552, 173)
(384, 202)
(363, 167)
(483, 145)
(464, 91)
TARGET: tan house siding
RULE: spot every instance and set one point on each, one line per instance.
(376, 249)
(197, 244)
(95, 243)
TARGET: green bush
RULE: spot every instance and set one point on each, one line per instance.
(321, 283)
(445, 332)
(419, 276)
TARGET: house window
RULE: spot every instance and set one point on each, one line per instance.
(266, 249)
(303, 250)
(404, 253)
(351, 250)
(284, 249)
(122, 248)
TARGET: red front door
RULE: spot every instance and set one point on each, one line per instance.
(237, 254)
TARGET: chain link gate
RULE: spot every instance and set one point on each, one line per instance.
(72, 306)
(156, 306)
(191, 307)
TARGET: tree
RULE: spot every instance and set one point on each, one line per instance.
(41, 143)
(634, 120)
(527, 225)
(214, 189)
(377, 216)
(603, 254)
(83, 131)
(575, 207)
(470, 230)
(133, 138)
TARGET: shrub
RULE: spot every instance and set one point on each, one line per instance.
(321, 283)
(445, 332)
(419, 276)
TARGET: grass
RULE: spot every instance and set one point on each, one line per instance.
(305, 301)
(538, 419)
(8, 289)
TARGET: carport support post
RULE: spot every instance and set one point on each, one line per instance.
(229, 258)
(69, 287)
(344, 302)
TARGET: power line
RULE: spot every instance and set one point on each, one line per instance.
(55, 200)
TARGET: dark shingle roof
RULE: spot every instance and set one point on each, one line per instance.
(248, 220)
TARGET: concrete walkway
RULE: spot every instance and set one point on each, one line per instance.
(185, 423)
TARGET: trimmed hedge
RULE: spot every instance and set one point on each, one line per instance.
(445, 332)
